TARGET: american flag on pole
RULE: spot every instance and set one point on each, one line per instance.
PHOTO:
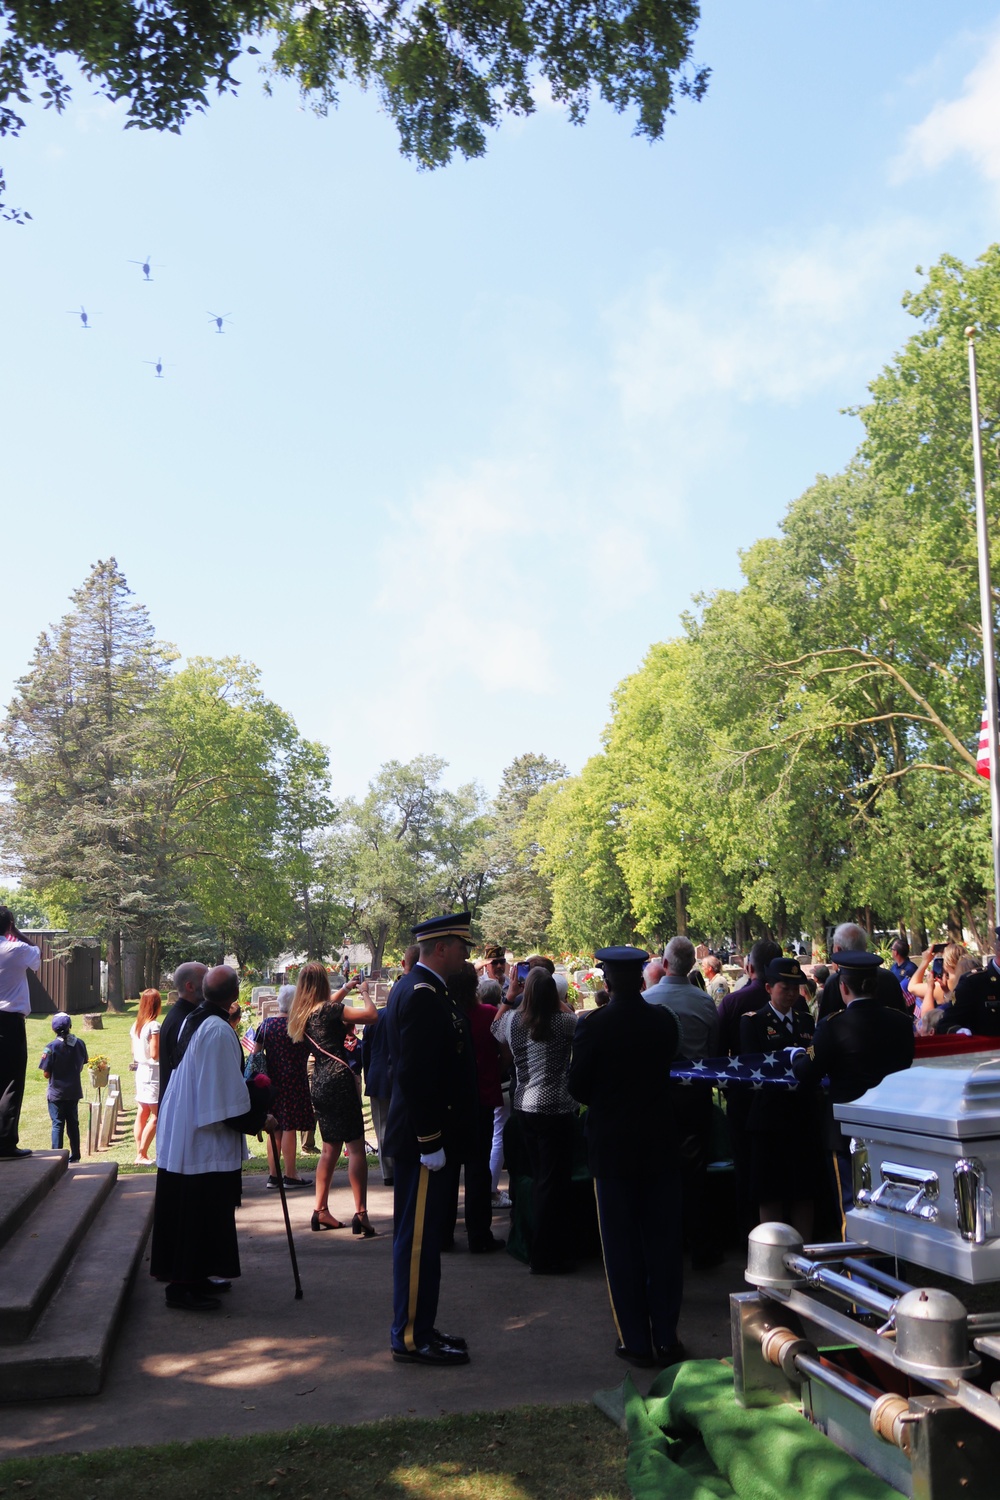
(983, 757)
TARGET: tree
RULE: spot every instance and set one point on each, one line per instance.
(519, 907)
(408, 849)
(805, 752)
(445, 73)
(72, 743)
(240, 797)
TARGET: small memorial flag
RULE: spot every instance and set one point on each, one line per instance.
(983, 758)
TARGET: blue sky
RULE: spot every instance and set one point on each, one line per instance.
(473, 438)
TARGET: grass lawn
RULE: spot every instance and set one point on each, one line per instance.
(113, 1042)
(533, 1453)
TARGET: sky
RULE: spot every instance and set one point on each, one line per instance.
(472, 439)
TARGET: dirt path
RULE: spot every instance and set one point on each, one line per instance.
(267, 1362)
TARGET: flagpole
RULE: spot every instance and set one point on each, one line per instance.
(986, 607)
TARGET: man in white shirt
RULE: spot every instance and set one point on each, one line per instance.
(16, 958)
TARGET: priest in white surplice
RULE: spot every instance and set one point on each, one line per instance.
(200, 1151)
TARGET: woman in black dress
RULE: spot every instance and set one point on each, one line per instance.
(321, 1020)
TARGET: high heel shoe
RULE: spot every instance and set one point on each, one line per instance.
(317, 1223)
(360, 1225)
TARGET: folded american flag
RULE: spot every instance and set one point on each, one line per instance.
(754, 1068)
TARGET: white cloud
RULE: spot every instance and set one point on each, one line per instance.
(969, 124)
(776, 325)
(469, 611)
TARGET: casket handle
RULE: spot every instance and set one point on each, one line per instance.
(920, 1183)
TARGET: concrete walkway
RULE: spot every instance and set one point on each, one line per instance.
(266, 1362)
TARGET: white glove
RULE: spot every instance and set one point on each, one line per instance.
(794, 1052)
(434, 1160)
(962, 1031)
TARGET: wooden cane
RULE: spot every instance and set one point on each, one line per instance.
(275, 1143)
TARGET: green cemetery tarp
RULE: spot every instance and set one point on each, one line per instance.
(689, 1440)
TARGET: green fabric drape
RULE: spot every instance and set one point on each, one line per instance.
(689, 1440)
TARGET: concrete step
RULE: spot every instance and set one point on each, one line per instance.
(68, 1351)
(23, 1185)
(37, 1254)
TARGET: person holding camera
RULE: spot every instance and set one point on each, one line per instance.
(933, 984)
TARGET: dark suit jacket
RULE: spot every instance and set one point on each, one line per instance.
(434, 1099)
(976, 1004)
(889, 992)
(375, 1059)
(178, 1013)
(856, 1048)
(621, 1071)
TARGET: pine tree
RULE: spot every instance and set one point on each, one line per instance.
(71, 753)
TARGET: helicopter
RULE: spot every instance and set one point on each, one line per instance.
(146, 266)
(157, 365)
(82, 315)
(218, 319)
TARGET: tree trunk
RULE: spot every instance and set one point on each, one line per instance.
(680, 912)
(115, 999)
(978, 937)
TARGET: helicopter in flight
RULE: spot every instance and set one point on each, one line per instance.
(157, 365)
(82, 314)
(146, 265)
(218, 319)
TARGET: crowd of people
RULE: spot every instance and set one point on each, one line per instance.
(468, 1065)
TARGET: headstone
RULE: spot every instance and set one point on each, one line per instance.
(261, 992)
(92, 1021)
(268, 1007)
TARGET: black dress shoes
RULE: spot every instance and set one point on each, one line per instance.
(673, 1354)
(433, 1353)
(454, 1339)
(642, 1361)
(486, 1247)
(16, 1153)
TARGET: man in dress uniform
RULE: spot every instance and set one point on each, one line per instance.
(855, 1048)
(432, 1113)
(783, 1126)
(976, 1007)
(620, 1070)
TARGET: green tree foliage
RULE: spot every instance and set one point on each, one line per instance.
(806, 751)
(519, 908)
(72, 752)
(445, 73)
(178, 808)
(407, 850)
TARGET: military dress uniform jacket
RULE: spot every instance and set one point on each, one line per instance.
(621, 1071)
(977, 1004)
(778, 1109)
(856, 1048)
(433, 1067)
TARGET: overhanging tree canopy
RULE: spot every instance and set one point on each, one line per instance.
(445, 72)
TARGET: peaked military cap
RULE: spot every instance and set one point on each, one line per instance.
(621, 955)
(783, 968)
(456, 925)
(862, 960)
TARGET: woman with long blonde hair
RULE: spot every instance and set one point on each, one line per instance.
(145, 1038)
(321, 1020)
